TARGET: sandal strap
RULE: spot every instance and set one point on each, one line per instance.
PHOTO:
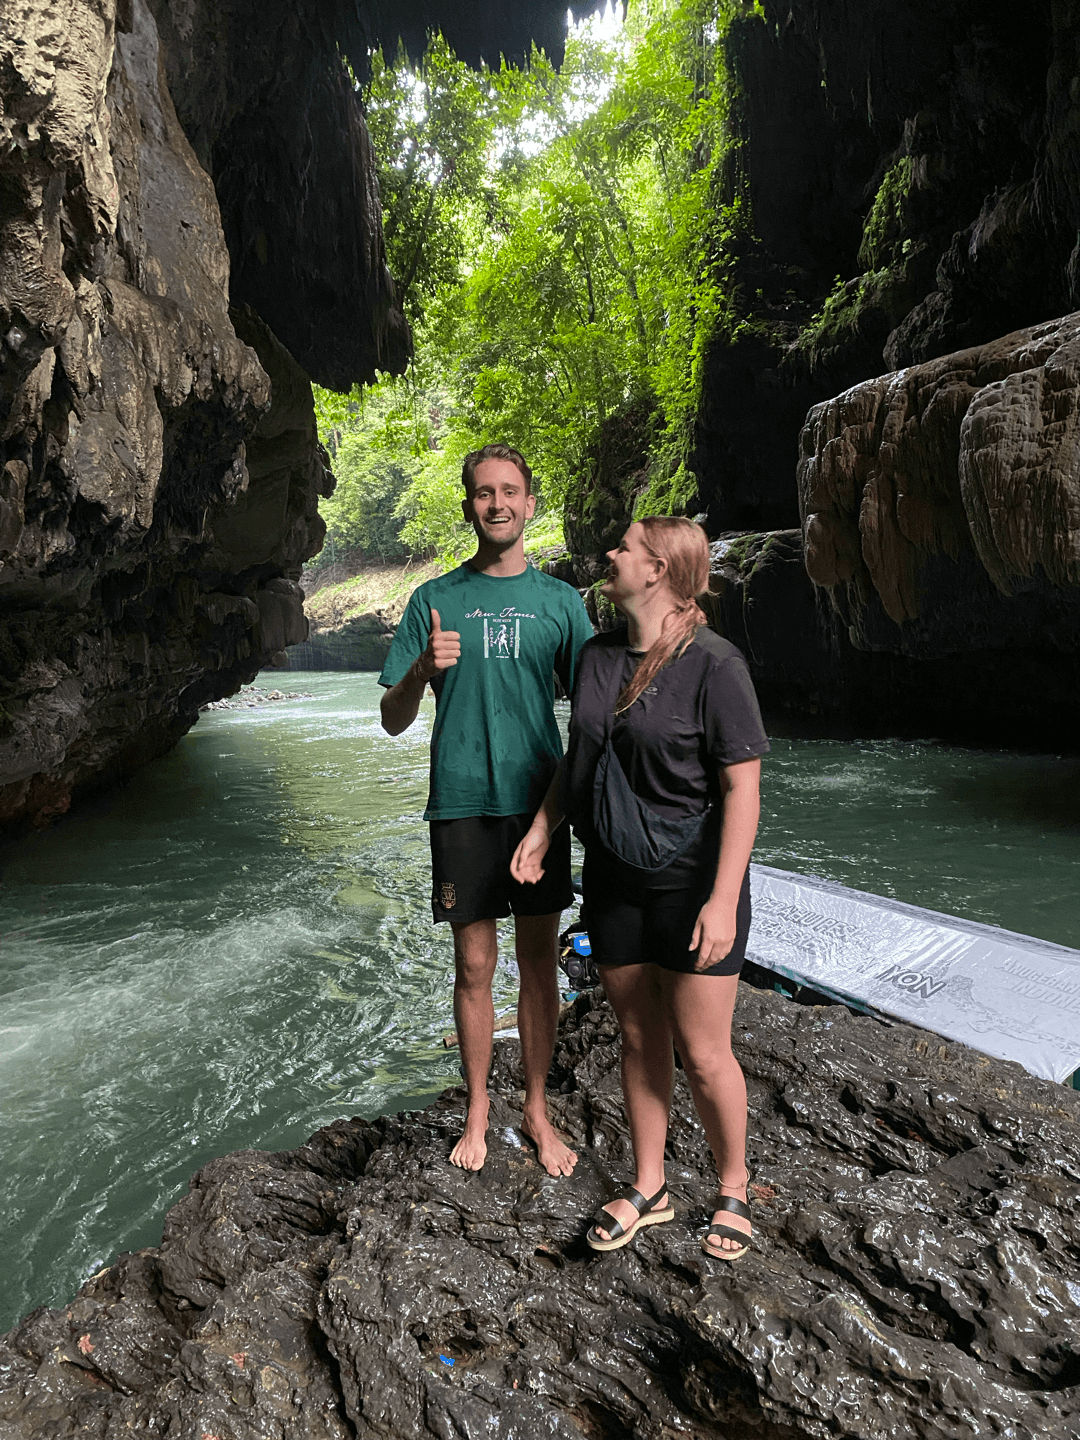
(728, 1202)
(605, 1220)
(650, 1204)
(728, 1232)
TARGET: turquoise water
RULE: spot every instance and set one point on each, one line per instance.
(236, 948)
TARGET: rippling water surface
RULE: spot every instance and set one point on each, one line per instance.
(237, 948)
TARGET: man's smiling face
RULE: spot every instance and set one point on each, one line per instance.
(499, 503)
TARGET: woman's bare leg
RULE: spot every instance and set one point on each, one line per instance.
(700, 1008)
(647, 1068)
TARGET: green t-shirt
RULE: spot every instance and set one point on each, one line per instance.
(495, 741)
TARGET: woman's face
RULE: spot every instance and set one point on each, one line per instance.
(630, 568)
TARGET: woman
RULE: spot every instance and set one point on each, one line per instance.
(673, 703)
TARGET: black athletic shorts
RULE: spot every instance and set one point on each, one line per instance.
(634, 919)
(470, 870)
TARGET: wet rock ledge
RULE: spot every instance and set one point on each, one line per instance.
(915, 1276)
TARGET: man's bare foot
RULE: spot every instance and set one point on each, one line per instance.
(554, 1155)
(470, 1152)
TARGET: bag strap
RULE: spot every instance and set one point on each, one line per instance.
(611, 692)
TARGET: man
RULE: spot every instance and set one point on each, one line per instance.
(488, 637)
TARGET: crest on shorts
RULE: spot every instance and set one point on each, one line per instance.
(447, 895)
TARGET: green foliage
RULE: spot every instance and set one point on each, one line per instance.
(378, 440)
(431, 127)
(429, 510)
(562, 242)
(544, 539)
(849, 309)
(675, 494)
(748, 552)
(883, 243)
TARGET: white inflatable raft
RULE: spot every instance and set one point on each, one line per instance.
(1007, 995)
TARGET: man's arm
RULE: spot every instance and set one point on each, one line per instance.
(401, 703)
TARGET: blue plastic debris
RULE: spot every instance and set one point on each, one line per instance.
(446, 1359)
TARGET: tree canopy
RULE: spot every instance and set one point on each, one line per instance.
(560, 241)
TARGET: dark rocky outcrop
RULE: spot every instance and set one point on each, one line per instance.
(811, 679)
(939, 587)
(601, 495)
(359, 643)
(914, 1273)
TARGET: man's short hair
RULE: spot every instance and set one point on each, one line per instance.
(494, 452)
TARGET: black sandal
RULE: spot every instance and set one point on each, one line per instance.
(619, 1234)
(728, 1232)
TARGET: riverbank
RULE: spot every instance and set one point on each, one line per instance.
(915, 1207)
(351, 622)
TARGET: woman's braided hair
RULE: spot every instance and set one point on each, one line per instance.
(685, 547)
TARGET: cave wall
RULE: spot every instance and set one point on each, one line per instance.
(904, 390)
(274, 118)
(128, 401)
(923, 155)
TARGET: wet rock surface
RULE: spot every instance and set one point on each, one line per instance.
(248, 697)
(814, 675)
(913, 1275)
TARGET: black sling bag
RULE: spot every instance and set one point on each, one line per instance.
(623, 823)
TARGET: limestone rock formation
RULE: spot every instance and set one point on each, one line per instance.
(359, 643)
(941, 503)
(935, 588)
(129, 401)
(913, 1277)
(352, 620)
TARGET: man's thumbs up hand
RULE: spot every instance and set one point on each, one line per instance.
(443, 649)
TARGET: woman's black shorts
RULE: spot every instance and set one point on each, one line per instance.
(634, 918)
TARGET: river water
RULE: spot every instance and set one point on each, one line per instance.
(236, 948)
